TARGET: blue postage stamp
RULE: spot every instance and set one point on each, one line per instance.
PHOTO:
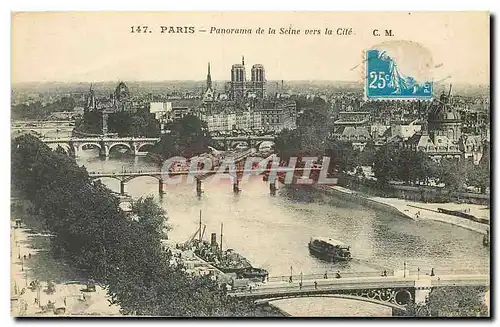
(387, 79)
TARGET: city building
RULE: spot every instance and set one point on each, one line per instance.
(279, 115)
(238, 81)
(257, 87)
(350, 119)
(229, 120)
(209, 94)
(239, 88)
(440, 138)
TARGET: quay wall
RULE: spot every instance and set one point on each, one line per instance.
(406, 211)
(352, 196)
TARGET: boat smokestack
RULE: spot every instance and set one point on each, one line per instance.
(213, 239)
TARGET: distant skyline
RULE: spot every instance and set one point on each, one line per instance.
(98, 47)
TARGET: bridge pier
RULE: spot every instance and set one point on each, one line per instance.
(160, 187)
(104, 151)
(198, 187)
(236, 185)
(272, 187)
(122, 187)
(422, 289)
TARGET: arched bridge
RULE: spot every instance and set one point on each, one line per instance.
(252, 141)
(393, 291)
(73, 146)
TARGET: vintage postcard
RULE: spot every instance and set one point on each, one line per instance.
(250, 164)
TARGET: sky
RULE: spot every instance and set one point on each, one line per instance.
(98, 46)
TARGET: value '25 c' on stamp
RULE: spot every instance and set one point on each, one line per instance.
(398, 71)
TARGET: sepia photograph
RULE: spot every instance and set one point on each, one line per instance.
(250, 164)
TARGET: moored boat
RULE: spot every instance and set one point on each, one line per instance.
(329, 249)
(486, 238)
(227, 261)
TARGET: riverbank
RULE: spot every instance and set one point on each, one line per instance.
(31, 261)
(417, 210)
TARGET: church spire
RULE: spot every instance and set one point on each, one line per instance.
(209, 78)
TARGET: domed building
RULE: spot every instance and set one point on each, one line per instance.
(444, 121)
(440, 137)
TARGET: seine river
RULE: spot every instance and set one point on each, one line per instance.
(273, 232)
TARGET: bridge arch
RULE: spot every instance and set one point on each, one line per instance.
(265, 143)
(129, 178)
(338, 296)
(237, 142)
(94, 144)
(144, 147)
(127, 145)
(116, 182)
(64, 146)
(100, 178)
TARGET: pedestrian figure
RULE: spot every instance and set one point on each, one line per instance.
(250, 288)
(29, 255)
(64, 301)
(36, 300)
(432, 272)
(290, 279)
(24, 257)
(384, 274)
(325, 276)
(337, 274)
(315, 285)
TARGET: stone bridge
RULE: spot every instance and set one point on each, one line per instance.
(74, 146)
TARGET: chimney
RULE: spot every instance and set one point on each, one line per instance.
(213, 239)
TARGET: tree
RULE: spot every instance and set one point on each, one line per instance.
(452, 301)
(342, 155)
(479, 176)
(311, 136)
(367, 156)
(188, 137)
(453, 173)
(385, 166)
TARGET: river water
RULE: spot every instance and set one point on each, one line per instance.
(273, 232)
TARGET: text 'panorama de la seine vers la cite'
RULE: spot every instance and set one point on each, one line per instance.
(290, 30)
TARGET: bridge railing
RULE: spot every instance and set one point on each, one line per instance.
(449, 271)
(328, 275)
(411, 273)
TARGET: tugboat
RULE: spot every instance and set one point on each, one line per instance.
(228, 261)
(329, 249)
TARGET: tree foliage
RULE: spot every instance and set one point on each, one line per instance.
(310, 139)
(139, 123)
(480, 176)
(38, 110)
(452, 302)
(188, 137)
